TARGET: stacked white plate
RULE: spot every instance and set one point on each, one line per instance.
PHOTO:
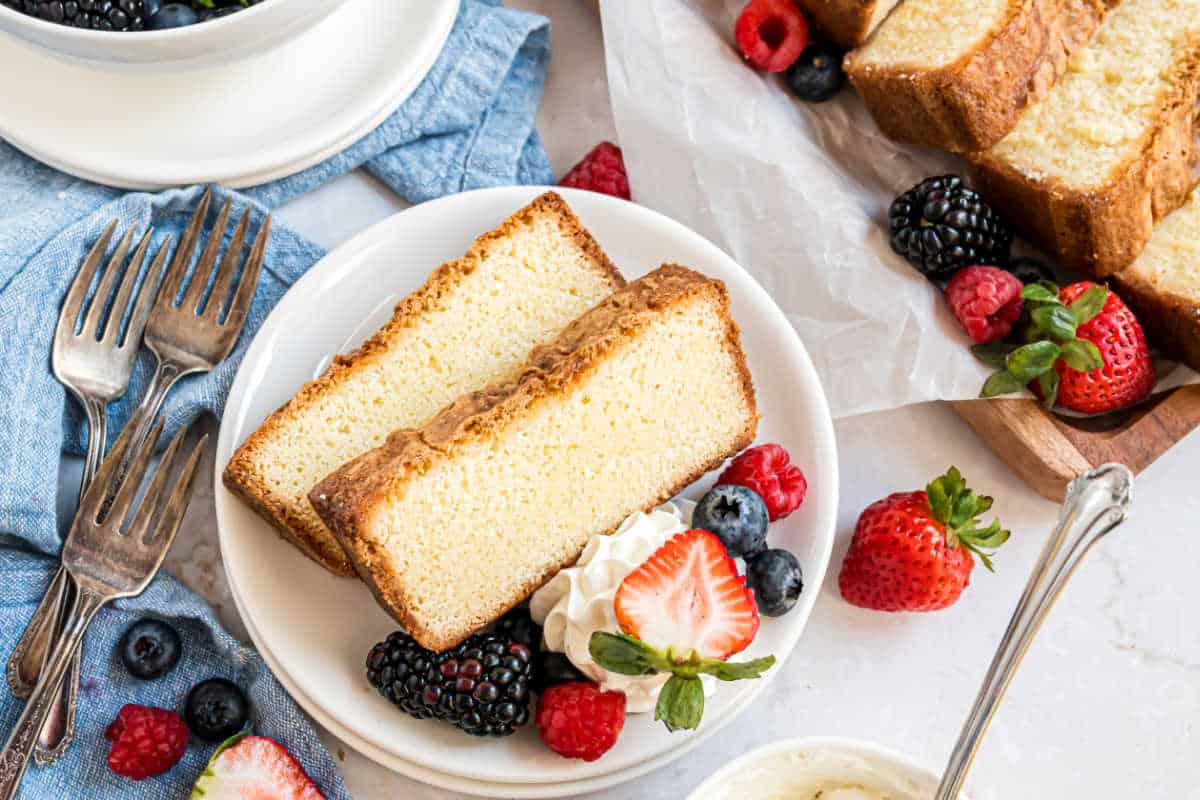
(315, 630)
(241, 123)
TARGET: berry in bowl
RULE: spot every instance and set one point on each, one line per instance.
(159, 34)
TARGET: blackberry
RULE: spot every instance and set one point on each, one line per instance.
(519, 626)
(482, 686)
(552, 669)
(941, 226)
(98, 15)
(1030, 270)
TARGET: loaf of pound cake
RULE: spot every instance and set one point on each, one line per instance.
(1163, 284)
(847, 22)
(1113, 147)
(472, 323)
(455, 523)
(958, 76)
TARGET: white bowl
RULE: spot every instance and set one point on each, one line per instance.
(797, 768)
(217, 41)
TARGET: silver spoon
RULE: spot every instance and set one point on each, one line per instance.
(1096, 503)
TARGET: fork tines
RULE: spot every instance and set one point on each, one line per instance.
(216, 303)
(95, 324)
(110, 500)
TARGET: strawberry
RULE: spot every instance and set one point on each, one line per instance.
(254, 767)
(689, 596)
(684, 610)
(912, 551)
(1084, 350)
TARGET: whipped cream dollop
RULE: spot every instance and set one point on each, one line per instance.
(578, 601)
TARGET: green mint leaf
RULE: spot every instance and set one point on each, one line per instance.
(993, 353)
(680, 703)
(1030, 360)
(1082, 355)
(1055, 321)
(736, 671)
(1002, 382)
(626, 655)
(1041, 292)
(1089, 304)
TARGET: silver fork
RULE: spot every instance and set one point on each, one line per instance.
(94, 365)
(112, 551)
(192, 336)
(197, 333)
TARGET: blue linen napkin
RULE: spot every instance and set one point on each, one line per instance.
(468, 125)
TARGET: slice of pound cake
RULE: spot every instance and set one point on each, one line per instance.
(958, 76)
(1113, 148)
(454, 524)
(1163, 285)
(848, 22)
(473, 322)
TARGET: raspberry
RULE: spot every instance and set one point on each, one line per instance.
(577, 720)
(768, 471)
(146, 741)
(771, 34)
(986, 300)
(601, 170)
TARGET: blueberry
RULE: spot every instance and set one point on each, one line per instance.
(216, 709)
(1030, 270)
(150, 648)
(817, 75)
(172, 15)
(775, 577)
(736, 515)
(552, 669)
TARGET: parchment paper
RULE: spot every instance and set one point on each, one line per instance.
(795, 193)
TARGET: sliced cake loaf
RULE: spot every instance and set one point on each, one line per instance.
(1113, 147)
(473, 322)
(848, 22)
(1163, 284)
(453, 524)
(958, 76)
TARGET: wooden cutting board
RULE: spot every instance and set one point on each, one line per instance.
(1047, 450)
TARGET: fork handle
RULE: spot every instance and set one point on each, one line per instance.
(166, 374)
(24, 736)
(1096, 503)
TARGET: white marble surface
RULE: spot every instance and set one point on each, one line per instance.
(1108, 702)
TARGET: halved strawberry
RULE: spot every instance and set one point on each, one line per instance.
(254, 768)
(689, 598)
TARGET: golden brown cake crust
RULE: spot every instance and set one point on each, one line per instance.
(241, 476)
(847, 22)
(971, 103)
(347, 498)
(1101, 230)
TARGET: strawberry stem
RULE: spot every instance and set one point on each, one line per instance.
(957, 507)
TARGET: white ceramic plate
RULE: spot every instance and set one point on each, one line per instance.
(317, 629)
(239, 124)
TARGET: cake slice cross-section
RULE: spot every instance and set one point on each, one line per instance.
(1114, 147)
(473, 322)
(958, 76)
(455, 523)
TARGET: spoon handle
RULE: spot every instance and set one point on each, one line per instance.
(1096, 502)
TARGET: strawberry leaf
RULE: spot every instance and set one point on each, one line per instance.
(1055, 320)
(1082, 355)
(736, 671)
(1089, 304)
(1030, 360)
(1049, 382)
(680, 703)
(1040, 292)
(993, 353)
(626, 655)
(956, 506)
(1002, 382)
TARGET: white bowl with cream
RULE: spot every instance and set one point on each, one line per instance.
(824, 768)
